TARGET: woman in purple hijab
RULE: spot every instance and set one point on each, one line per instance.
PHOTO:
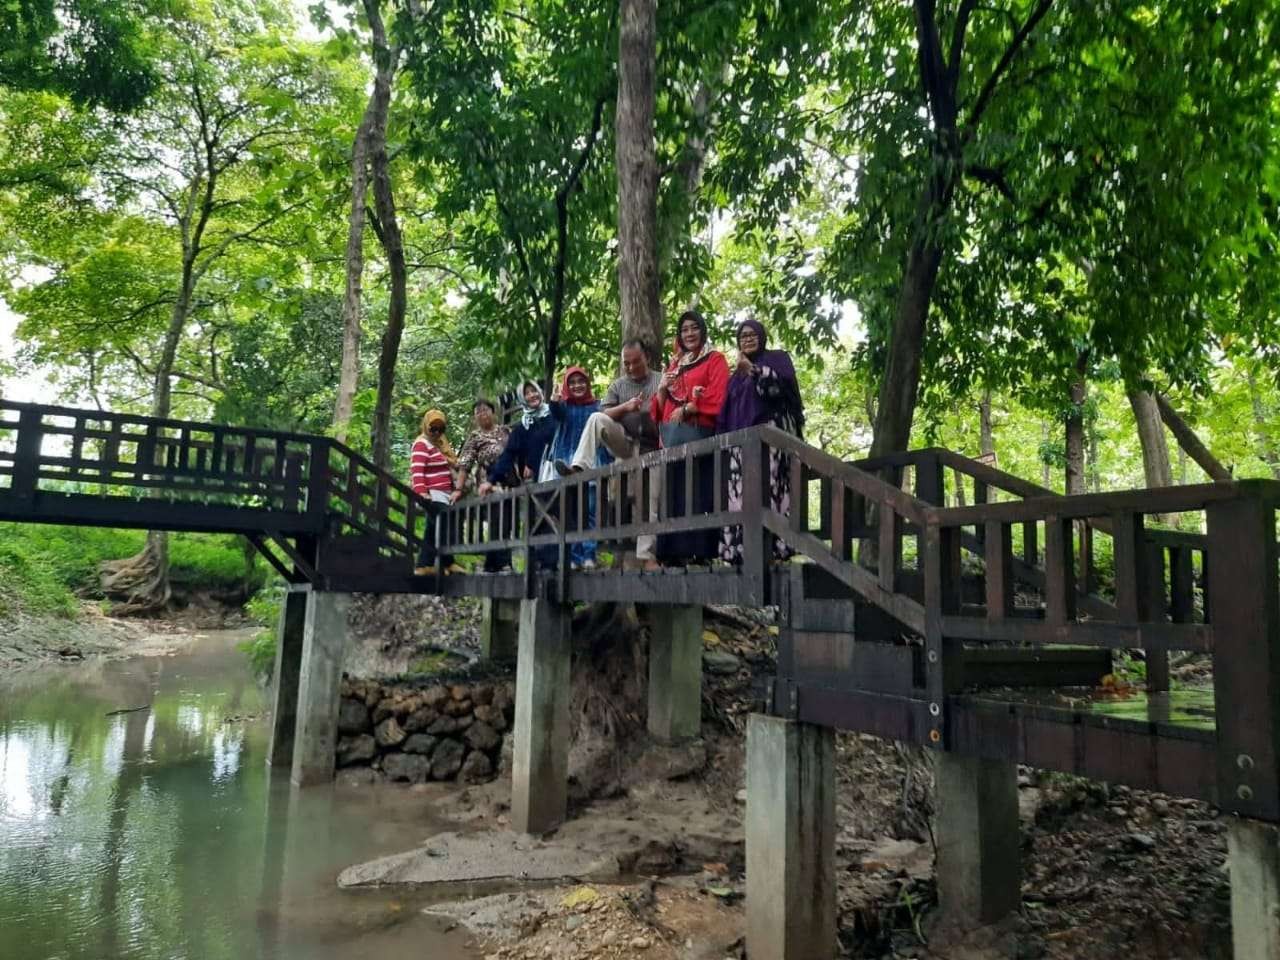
(763, 389)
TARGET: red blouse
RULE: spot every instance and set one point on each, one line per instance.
(712, 374)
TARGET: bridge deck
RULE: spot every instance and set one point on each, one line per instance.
(883, 615)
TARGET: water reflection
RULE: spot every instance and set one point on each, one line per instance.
(138, 820)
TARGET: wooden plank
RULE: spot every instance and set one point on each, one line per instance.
(1181, 584)
(1130, 566)
(1057, 667)
(998, 552)
(1198, 637)
(890, 552)
(799, 496)
(1149, 501)
(1059, 572)
(1245, 602)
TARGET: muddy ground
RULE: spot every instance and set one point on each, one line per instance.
(652, 864)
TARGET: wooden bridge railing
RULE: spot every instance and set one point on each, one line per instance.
(70, 465)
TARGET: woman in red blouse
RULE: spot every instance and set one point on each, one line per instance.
(685, 407)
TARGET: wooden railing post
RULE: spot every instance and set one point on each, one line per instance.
(940, 561)
(755, 542)
(318, 483)
(1245, 600)
(26, 455)
(998, 546)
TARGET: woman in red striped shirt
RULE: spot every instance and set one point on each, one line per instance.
(431, 476)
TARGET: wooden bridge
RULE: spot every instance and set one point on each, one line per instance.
(903, 615)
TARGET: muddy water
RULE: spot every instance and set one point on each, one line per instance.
(160, 832)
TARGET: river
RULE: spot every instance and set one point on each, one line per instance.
(160, 834)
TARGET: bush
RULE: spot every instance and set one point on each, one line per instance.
(264, 606)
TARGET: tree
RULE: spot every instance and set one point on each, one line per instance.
(95, 52)
(637, 163)
(206, 169)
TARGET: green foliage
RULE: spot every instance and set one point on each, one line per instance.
(45, 568)
(264, 607)
(92, 51)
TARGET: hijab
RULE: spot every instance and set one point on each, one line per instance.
(749, 402)
(442, 444)
(528, 416)
(684, 358)
(565, 396)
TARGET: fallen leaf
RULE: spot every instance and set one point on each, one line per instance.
(580, 895)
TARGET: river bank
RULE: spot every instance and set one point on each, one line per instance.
(27, 640)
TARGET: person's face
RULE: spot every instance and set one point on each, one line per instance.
(484, 416)
(532, 398)
(635, 364)
(577, 386)
(748, 341)
(690, 335)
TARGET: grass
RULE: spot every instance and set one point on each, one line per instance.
(44, 570)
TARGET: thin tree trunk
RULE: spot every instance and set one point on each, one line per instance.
(1095, 474)
(1075, 480)
(349, 374)
(638, 281)
(1155, 446)
(1188, 440)
(1045, 477)
(387, 228)
(987, 441)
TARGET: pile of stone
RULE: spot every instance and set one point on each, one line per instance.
(442, 732)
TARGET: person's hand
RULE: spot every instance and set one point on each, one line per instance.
(455, 496)
(668, 377)
(636, 403)
(528, 473)
(484, 489)
(745, 365)
(555, 393)
(698, 391)
(678, 416)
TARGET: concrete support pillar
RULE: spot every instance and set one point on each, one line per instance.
(1253, 851)
(675, 672)
(540, 749)
(284, 681)
(499, 629)
(791, 836)
(979, 865)
(323, 640)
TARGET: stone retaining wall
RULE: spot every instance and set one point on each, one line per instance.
(414, 734)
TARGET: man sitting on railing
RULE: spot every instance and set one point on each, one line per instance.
(624, 426)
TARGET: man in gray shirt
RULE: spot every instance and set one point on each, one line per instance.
(624, 426)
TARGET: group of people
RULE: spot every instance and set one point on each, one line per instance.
(695, 397)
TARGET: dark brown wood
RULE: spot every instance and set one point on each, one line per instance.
(1059, 572)
(1056, 667)
(998, 544)
(1245, 603)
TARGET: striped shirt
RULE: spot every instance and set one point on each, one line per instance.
(429, 471)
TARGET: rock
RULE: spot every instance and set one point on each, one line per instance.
(353, 750)
(1140, 841)
(435, 697)
(460, 692)
(353, 716)
(458, 708)
(389, 733)
(477, 768)
(504, 699)
(639, 943)
(406, 766)
(356, 777)
(720, 662)
(420, 719)
(491, 715)
(667, 762)
(443, 726)
(420, 743)
(447, 760)
(573, 922)
(482, 694)
(481, 736)
(506, 755)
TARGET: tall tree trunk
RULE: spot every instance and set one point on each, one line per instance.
(1155, 446)
(901, 384)
(638, 280)
(349, 374)
(1188, 440)
(987, 438)
(1045, 435)
(1075, 480)
(1095, 474)
(387, 228)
